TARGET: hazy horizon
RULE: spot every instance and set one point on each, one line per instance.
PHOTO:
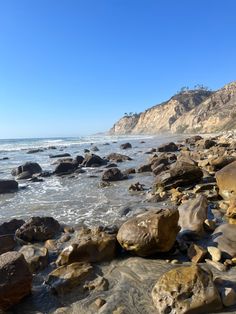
(74, 68)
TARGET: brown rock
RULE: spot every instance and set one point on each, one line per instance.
(226, 182)
(35, 256)
(185, 290)
(7, 243)
(150, 232)
(196, 253)
(15, 279)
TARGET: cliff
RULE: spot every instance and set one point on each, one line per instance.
(187, 112)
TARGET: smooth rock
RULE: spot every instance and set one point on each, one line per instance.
(113, 174)
(149, 233)
(118, 157)
(226, 182)
(7, 243)
(28, 167)
(196, 253)
(215, 253)
(8, 186)
(228, 296)
(35, 256)
(125, 146)
(224, 237)
(169, 147)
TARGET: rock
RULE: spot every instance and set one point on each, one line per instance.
(180, 174)
(136, 187)
(98, 284)
(222, 161)
(29, 167)
(65, 168)
(192, 215)
(11, 226)
(149, 233)
(118, 157)
(217, 265)
(95, 149)
(65, 278)
(91, 160)
(205, 143)
(111, 165)
(128, 171)
(79, 159)
(193, 139)
(100, 302)
(8, 186)
(228, 296)
(4, 158)
(36, 150)
(113, 174)
(16, 279)
(159, 169)
(215, 253)
(196, 253)
(125, 146)
(231, 211)
(209, 225)
(169, 147)
(60, 155)
(24, 175)
(144, 168)
(7, 243)
(90, 245)
(225, 179)
(38, 229)
(224, 238)
(35, 256)
(186, 289)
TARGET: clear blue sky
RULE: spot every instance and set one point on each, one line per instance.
(73, 67)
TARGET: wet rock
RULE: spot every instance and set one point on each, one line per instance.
(65, 278)
(7, 243)
(118, 157)
(16, 279)
(90, 245)
(38, 229)
(35, 256)
(192, 215)
(65, 168)
(209, 225)
(111, 165)
(29, 167)
(95, 149)
(226, 182)
(60, 155)
(169, 147)
(196, 253)
(113, 174)
(11, 226)
(136, 187)
(36, 150)
(128, 171)
(180, 174)
(79, 159)
(186, 289)
(149, 233)
(145, 168)
(224, 238)
(4, 158)
(228, 296)
(92, 160)
(125, 146)
(8, 186)
(159, 169)
(24, 175)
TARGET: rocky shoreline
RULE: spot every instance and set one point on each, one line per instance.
(178, 256)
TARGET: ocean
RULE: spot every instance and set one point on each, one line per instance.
(75, 199)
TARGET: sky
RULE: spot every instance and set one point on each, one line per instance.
(74, 67)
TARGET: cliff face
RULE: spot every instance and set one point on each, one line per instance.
(186, 112)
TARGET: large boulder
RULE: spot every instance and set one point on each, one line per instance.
(169, 147)
(226, 182)
(113, 174)
(180, 174)
(92, 160)
(118, 157)
(89, 245)
(79, 159)
(26, 170)
(149, 233)
(186, 290)
(38, 229)
(65, 168)
(8, 186)
(15, 279)
(7, 243)
(192, 215)
(66, 277)
(224, 237)
(222, 161)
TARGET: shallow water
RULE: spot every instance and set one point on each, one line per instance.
(77, 199)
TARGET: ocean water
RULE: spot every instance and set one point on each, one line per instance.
(75, 199)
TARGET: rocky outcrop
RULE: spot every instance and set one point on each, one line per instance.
(187, 112)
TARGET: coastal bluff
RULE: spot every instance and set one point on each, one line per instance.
(189, 111)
